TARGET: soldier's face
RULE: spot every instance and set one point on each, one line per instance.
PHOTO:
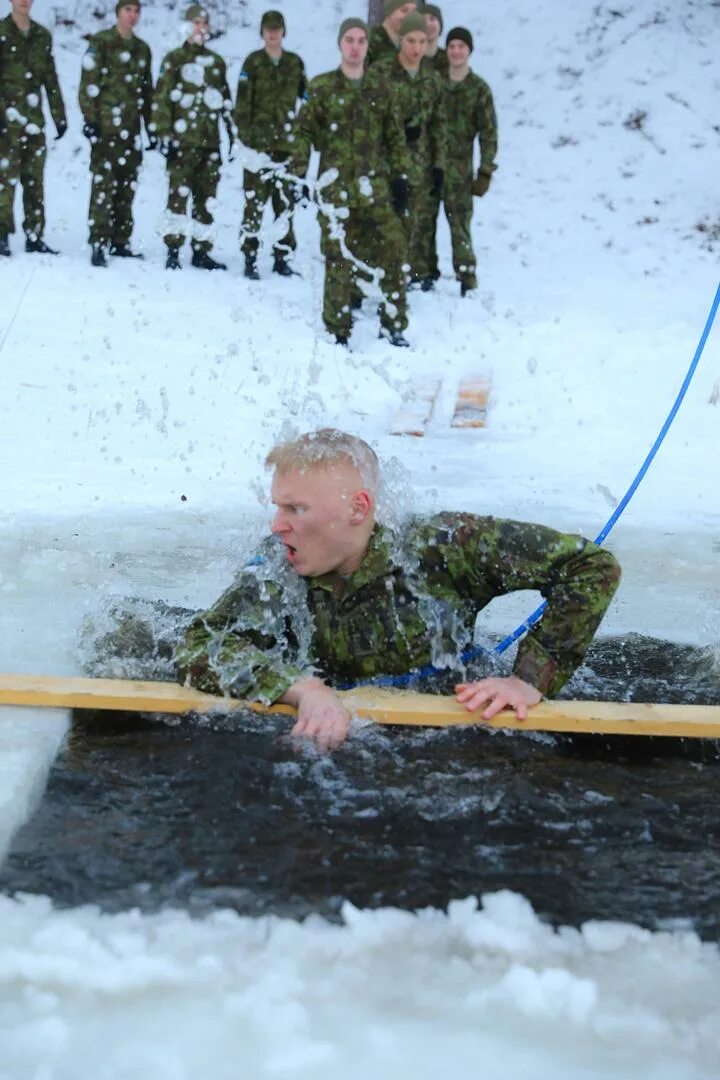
(199, 31)
(318, 511)
(458, 53)
(273, 36)
(399, 14)
(128, 17)
(433, 26)
(413, 47)
(22, 7)
(354, 47)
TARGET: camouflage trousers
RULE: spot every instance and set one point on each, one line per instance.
(374, 236)
(459, 216)
(114, 168)
(420, 226)
(22, 160)
(261, 187)
(193, 172)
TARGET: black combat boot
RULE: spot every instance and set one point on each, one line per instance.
(427, 284)
(173, 259)
(342, 339)
(39, 247)
(98, 255)
(122, 251)
(467, 285)
(251, 270)
(201, 260)
(283, 268)
(395, 338)
(4, 245)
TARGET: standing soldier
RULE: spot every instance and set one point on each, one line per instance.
(420, 99)
(26, 66)
(115, 94)
(435, 57)
(384, 39)
(470, 113)
(191, 97)
(360, 139)
(271, 83)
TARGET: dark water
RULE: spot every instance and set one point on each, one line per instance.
(148, 812)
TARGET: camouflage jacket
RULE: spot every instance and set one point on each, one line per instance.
(421, 104)
(470, 112)
(266, 103)
(380, 45)
(438, 63)
(26, 66)
(412, 601)
(357, 132)
(191, 97)
(116, 83)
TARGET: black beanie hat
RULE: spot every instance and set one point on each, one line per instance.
(459, 33)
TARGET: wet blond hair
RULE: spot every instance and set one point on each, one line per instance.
(324, 447)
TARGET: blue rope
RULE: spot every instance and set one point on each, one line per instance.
(471, 653)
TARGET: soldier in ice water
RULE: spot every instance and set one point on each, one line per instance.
(271, 83)
(436, 56)
(420, 101)
(384, 39)
(191, 98)
(26, 68)
(334, 597)
(115, 97)
(362, 149)
(470, 114)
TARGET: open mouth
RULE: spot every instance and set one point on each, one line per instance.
(291, 552)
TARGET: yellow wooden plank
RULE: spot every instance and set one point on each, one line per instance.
(382, 706)
(471, 404)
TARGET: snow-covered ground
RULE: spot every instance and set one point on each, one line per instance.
(137, 408)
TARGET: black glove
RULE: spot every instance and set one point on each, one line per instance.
(168, 149)
(481, 184)
(412, 133)
(61, 129)
(91, 132)
(399, 194)
(438, 178)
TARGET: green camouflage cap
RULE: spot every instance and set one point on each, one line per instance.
(352, 24)
(432, 9)
(414, 23)
(272, 20)
(126, 3)
(393, 5)
(196, 11)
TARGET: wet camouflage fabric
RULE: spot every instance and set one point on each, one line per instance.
(380, 46)
(26, 67)
(357, 132)
(261, 187)
(194, 173)
(116, 95)
(420, 102)
(413, 600)
(265, 108)
(470, 115)
(192, 97)
(266, 102)
(374, 235)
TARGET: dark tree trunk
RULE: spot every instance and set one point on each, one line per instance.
(375, 11)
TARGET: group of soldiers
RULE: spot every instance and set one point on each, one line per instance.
(395, 126)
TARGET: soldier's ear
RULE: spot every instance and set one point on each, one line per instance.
(361, 507)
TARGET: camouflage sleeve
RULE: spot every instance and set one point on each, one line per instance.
(486, 127)
(162, 107)
(438, 130)
(486, 557)
(52, 88)
(242, 646)
(302, 83)
(244, 105)
(306, 131)
(395, 141)
(89, 91)
(147, 93)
